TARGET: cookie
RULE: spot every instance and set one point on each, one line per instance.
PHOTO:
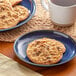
(60, 46)
(14, 2)
(7, 17)
(42, 52)
(22, 12)
(5, 2)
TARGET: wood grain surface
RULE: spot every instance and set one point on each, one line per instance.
(67, 69)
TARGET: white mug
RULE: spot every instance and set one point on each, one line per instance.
(63, 14)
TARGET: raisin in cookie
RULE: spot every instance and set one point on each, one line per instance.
(7, 17)
(41, 51)
(22, 12)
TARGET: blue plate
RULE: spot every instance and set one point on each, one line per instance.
(22, 42)
(30, 4)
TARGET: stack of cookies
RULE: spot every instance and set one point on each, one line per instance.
(11, 13)
(45, 51)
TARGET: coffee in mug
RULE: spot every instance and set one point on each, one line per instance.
(64, 2)
(62, 12)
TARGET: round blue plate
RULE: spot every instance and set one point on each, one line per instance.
(30, 4)
(22, 42)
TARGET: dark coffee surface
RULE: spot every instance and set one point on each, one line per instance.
(64, 2)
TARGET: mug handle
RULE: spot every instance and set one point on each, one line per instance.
(44, 4)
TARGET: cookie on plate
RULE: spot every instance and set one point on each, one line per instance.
(55, 43)
(22, 12)
(41, 51)
(7, 17)
(14, 2)
(5, 2)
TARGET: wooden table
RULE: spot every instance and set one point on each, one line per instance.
(68, 69)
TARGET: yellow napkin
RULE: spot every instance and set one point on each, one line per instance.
(9, 67)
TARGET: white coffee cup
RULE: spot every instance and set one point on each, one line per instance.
(61, 13)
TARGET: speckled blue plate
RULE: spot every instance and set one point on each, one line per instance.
(30, 4)
(22, 42)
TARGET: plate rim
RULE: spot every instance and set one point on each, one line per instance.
(20, 57)
(34, 10)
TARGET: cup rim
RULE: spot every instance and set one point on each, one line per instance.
(60, 5)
